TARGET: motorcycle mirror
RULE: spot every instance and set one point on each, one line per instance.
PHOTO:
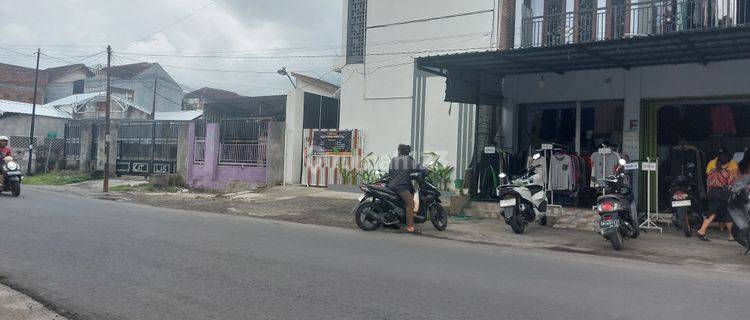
(502, 175)
(536, 156)
(622, 162)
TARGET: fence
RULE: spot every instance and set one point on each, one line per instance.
(146, 147)
(243, 142)
(624, 20)
(199, 156)
(72, 148)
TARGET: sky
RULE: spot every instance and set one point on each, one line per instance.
(251, 38)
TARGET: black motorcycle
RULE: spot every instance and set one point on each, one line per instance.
(381, 206)
(686, 205)
(739, 211)
(618, 218)
(12, 176)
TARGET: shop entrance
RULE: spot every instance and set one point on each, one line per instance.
(689, 133)
(577, 130)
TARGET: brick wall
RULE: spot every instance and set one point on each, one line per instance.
(17, 84)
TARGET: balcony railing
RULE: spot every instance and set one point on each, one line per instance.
(631, 20)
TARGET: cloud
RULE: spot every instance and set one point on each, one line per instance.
(228, 27)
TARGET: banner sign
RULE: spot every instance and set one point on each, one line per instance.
(332, 143)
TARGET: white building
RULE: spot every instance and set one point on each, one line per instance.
(387, 97)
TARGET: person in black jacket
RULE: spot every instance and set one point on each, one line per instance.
(399, 180)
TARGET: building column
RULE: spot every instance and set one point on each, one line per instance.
(212, 149)
(190, 156)
(183, 145)
(506, 24)
(84, 155)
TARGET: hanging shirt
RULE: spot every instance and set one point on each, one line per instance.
(722, 120)
(604, 163)
(561, 172)
(541, 169)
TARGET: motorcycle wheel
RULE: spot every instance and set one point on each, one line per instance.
(438, 217)
(517, 222)
(361, 217)
(741, 238)
(15, 189)
(543, 221)
(687, 229)
(615, 238)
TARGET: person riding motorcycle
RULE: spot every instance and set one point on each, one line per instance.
(399, 172)
(5, 151)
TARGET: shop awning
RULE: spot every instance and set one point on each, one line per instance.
(696, 46)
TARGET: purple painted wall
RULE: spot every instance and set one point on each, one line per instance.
(211, 175)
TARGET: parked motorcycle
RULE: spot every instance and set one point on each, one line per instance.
(523, 199)
(739, 211)
(12, 175)
(686, 205)
(381, 206)
(618, 217)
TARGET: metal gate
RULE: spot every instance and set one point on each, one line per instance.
(147, 147)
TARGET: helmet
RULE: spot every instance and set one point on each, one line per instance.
(3, 138)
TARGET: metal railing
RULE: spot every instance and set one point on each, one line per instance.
(72, 148)
(242, 154)
(200, 152)
(631, 20)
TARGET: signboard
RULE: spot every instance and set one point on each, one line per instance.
(332, 143)
(52, 135)
(631, 166)
(547, 146)
(648, 166)
(605, 151)
(489, 149)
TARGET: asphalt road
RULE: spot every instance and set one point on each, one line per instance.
(98, 259)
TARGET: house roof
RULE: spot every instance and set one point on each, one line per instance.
(128, 71)
(318, 82)
(211, 93)
(189, 115)
(57, 72)
(77, 100)
(26, 108)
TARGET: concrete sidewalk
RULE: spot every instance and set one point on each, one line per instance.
(17, 306)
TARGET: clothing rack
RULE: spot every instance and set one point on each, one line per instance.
(548, 150)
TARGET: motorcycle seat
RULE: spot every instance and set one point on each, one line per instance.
(383, 189)
(535, 188)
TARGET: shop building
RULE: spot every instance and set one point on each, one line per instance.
(639, 77)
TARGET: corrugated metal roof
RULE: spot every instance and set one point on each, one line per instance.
(26, 108)
(189, 115)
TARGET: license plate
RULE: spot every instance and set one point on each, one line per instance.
(362, 197)
(607, 224)
(683, 203)
(507, 203)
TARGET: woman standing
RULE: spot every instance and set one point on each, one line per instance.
(722, 172)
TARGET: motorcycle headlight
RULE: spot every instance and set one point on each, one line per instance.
(12, 166)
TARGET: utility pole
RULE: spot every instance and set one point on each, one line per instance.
(33, 112)
(107, 123)
(153, 128)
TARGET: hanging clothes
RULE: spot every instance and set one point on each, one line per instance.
(605, 164)
(722, 120)
(561, 172)
(541, 168)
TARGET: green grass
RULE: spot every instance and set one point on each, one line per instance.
(58, 178)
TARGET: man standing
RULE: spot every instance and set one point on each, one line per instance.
(399, 171)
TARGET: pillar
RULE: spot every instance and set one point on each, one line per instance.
(212, 149)
(506, 24)
(84, 158)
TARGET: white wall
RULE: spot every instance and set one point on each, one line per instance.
(377, 96)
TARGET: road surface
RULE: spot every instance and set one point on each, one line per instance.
(99, 259)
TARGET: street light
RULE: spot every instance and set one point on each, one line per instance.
(283, 72)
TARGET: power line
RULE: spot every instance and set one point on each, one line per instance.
(178, 21)
(298, 56)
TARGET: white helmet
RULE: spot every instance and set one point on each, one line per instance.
(3, 138)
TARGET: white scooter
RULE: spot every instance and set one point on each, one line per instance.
(523, 199)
